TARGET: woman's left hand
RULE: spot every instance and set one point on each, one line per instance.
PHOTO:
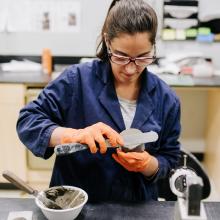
(133, 161)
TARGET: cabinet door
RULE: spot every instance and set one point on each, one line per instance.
(12, 152)
(212, 154)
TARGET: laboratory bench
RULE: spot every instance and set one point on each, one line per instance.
(105, 211)
(200, 119)
(40, 79)
(30, 79)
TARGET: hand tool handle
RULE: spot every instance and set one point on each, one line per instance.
(64, 149)
(11, 177)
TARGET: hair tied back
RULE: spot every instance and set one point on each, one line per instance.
(113, 4)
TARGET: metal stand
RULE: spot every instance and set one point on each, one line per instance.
(181, 211)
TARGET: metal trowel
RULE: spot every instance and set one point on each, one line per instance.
(133, 138)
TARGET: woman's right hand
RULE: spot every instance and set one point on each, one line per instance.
(91, 135)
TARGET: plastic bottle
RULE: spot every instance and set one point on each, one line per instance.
(46, 61)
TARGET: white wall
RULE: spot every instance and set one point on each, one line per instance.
(63, 44)
(84, 43)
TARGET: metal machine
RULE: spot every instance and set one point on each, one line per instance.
(188, 186)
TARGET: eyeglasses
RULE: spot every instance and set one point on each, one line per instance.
(123, 60)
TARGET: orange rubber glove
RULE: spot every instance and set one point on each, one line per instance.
(133, 161)
(92, 134)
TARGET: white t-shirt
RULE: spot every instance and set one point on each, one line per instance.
(128, 109)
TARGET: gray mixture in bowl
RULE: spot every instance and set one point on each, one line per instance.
(64, 197)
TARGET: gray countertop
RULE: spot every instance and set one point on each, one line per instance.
(189, 81)
(30, 78)
(107, 211)
(41, 80)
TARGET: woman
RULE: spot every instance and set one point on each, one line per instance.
(93, 101)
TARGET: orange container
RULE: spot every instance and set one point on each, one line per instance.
(46, 61)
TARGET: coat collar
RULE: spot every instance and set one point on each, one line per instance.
(103, 72)
(144, 103)
(108, 97)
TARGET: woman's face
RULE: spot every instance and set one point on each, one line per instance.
(133, 46)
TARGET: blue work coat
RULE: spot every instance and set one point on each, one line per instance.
(84, 94)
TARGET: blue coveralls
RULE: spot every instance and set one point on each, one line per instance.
(84, 94)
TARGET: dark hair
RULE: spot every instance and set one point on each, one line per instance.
(130, 17)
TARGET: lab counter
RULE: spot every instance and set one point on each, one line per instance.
(151, 210)
(40, 79)
(34, 79)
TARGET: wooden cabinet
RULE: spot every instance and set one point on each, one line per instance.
(200, 121)
(12, 153)
(14, 156)
(194, 109)
(212, 155)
